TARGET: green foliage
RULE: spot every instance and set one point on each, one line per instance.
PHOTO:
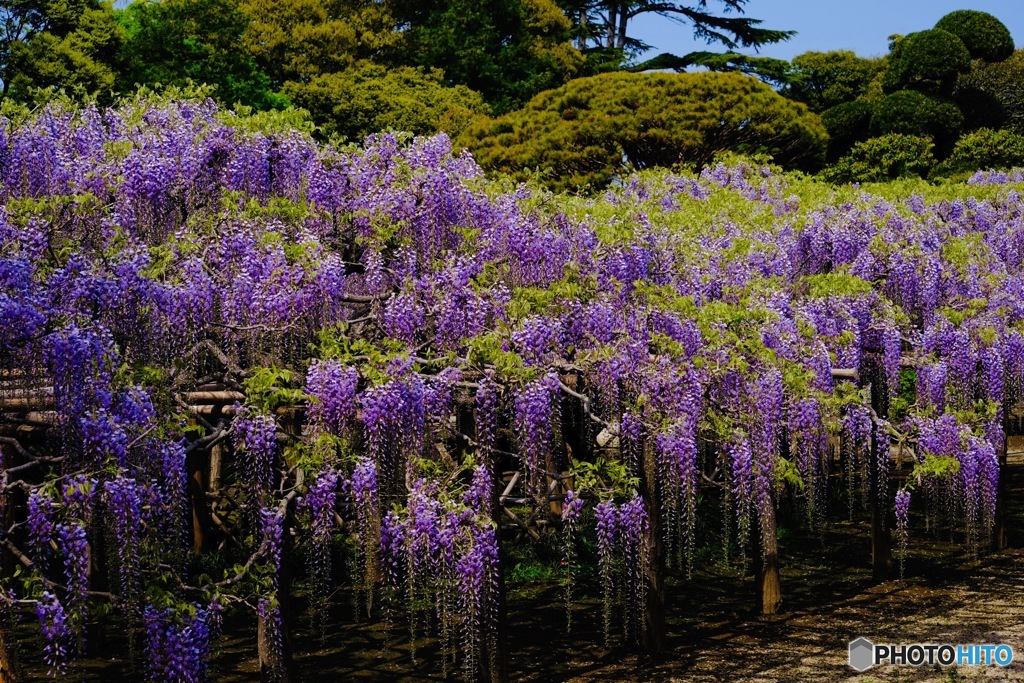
(60, 45)
(369, 98)
(823, 80)
(981, 108)
(271, 121)
(838, 283)
(905, 396)
(847, 124)
(984, 36)
(507, 50)
(981, 150)
(487, 350)
(787, 473)
(179, 42)
(986, 84)
(770, 70)
(884, 158)
(607, 24)
(909, 112)
(927, 60)
(604, 476)
(268, 388)
(594, 129)
(299, 40)
(935, 467)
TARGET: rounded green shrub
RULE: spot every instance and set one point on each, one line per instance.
(847, 124)
(909, 112)
(983, 150)
(984, 36)
(883, 158)
(927, 60)
(592, 130)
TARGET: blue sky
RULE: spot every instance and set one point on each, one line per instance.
(862, 25)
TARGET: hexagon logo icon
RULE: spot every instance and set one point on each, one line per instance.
(862, 654)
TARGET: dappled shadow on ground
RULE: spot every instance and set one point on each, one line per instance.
(713, 633)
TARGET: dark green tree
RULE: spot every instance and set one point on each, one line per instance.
(825, 79)
(984, 36)
(611, 18)
(909, 112)
(604, 26)
(999, 82)
(983, 149)
(176, 42)
(847, 124)
(507, 50)
(593, 129)
(929, 61)
(777, 72)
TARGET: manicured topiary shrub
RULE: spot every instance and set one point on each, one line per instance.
(883, 158)
(927, 60)
(847, 124)
(984, 36)
(1001, 81)
(981, 108)
(983, 149)
(909, 112)
(592, 130)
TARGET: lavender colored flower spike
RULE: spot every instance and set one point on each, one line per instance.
(333, 388)
(255, 438)
(535, 415)
(902, 522)
(56, 633)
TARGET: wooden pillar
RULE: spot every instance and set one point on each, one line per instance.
(654, 573)
(766, 562)
(277, 667)
(201, 521)
(216, 465)
(881, 534)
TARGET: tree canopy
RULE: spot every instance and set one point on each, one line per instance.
(825, 79)
(507, 50)
(46, 45)
(177, 42)
(298, 40)
(592, 129)
(927, 60)
(984, 36)
(369, 98)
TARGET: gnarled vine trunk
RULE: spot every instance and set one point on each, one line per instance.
(7, 674)
(654, 573)
(766, 563)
